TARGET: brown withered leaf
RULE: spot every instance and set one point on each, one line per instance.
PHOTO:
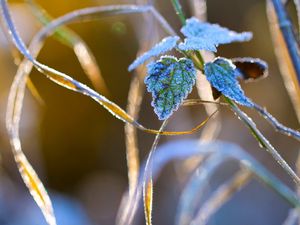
(251, 68)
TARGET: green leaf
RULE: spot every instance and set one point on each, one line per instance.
(170, 81)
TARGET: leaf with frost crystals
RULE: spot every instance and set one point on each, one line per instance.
(170, 81)
(205, 36)
(222, 75)
(167, 44)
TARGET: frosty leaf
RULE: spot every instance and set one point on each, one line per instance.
(170, 81)
(206, 36)
(198, 43)
(251, 68)
(221, 73)
(167, 44)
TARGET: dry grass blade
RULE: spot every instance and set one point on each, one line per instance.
(35, 187)
(132, 154)
(284, 61)
(147, 178)
(81, 50)
(205, 92)
(221, 196)
(134, 101)
(210, 132)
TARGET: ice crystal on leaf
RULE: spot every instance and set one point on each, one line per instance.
(170, 80)
(165, 45)
(205, 36)
(222, 75)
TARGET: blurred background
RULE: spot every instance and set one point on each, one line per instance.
(78, 148)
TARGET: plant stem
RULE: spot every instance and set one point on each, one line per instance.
(178, 9)
(288, 34)
(263, 141)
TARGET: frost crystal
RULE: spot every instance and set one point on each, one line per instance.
(170, 81)
(206, 36)
(222, 75)
(167, 44)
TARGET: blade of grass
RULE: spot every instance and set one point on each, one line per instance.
(221, 152)
(285, 64)
(184, 149)
(292, 217)
(263, 141)
(192, 194)
(135, 98)
(147, 180)
(72, 40)
(276, 124)
(286, 28)
(222, 195)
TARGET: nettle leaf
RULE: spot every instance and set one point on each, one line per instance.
(205, 36)
(167, 44)
(222, 75)
(170, 80)
(198, 43)
(251, 68)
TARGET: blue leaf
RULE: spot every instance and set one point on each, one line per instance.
(170, 81)
(206, 36)
(222, 74)
(167, 44)
(199, 43)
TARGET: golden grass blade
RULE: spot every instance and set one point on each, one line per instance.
(35, 187)
(133, 107)
(81, 50)
(29, 176)
(284, 61)
(148, 182)
(134, 101)
(135, 97)
(148, 201)
(147, 178)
